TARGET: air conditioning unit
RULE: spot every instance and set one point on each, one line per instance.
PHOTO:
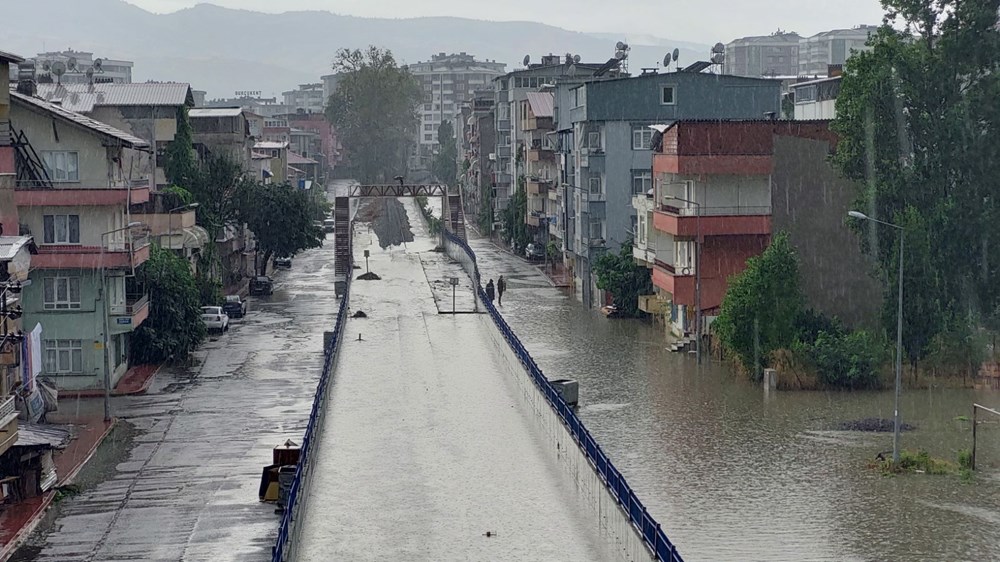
(493, 156)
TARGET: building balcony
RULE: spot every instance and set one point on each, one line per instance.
(129, 316)
(538, 124)
(713, 164)
(679, 283)
(538, 187)
(503, 125)
(112, 255)
(644, 254)
(8, 423)
(73, 195)
(503, 151)
(532, 220)
(541, 153)
(714, 221)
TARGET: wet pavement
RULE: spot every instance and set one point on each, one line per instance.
(184, 484)
(733, 475)
(427, 444)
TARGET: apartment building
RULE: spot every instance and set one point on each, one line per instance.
(79, 67)
(447, 81)
(538, 144)
(307, 98)
(479, 138)
(818, 52)
(786, 54)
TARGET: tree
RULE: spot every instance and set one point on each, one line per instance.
(767, 293)
(174, 327)
(618, 274)
(918, 127)
(281, 218)
(374, 111)
(515, 231)
(218, 187)
(446, 160)
(181, 164)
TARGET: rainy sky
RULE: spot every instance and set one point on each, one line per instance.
(688, 20)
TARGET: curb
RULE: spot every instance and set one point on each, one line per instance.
(15, 543)
(99, 393)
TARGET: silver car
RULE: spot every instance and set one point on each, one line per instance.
(215, 318)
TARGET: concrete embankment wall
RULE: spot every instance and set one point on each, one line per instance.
(620, 516)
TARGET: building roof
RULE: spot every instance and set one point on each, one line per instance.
(42, 435)
(265, 145)
(10, 57)
(542, 103)
(259, 156)
(137, 94)
(816, 81)
(297, 159)
(215, 112)
(59, 112)
(11, 245)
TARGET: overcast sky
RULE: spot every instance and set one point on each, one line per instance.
(687, 20)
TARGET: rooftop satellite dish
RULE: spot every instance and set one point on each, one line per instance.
(71, 63)
(527, 59)
(718, 48)
(677, 54)
(620, 46)
(46, 66)
(666, 60)
(98, 64)
(718, 58)
(58, 68)
(576, 59)
(90, 74)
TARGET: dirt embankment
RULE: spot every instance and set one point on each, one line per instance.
(388, 219)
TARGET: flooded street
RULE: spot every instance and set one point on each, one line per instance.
(734, 476)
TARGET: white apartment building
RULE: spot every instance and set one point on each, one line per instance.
(73, 68)
(309, 98)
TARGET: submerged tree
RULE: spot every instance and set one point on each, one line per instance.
(375, 112)
(618, 274)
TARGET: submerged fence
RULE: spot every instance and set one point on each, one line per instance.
(287, 528)
(614, 482)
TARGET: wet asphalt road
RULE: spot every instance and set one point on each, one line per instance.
(181, 483)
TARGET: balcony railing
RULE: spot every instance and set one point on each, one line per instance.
(117, 184)
(669, 206)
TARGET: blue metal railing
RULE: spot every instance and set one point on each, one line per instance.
(281, 544)
(648, 528)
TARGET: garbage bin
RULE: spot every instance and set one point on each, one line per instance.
(286, 475)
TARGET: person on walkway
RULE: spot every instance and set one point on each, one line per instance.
(489, 290)
(501, 287)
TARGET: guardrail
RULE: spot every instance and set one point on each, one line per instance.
(642, 521)
(288, 519)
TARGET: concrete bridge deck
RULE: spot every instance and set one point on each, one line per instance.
(426, 444)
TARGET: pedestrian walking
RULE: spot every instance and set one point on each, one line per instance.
(501, 287)
(489, 290)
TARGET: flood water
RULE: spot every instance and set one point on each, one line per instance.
(732, 475)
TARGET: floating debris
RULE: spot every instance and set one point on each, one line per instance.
(369, 277)
(359, 314)
(877, 425)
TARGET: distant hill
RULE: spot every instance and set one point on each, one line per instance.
(222, 50)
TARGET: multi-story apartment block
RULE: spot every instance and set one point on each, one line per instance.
(479, 136)
(148, 110)
(769, 55)
(607, 143)
(818, 52)
(307, 98)
(252, 102)
(538, 143)
(447, 81)
(79, 67)
(222, 131)
(75, 199)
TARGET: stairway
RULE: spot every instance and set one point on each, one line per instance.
(342, 261)
(454, 217)
(683, 344)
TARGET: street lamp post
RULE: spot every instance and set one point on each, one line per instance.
(899, 332)
(170, 224)
(697, 274)
(107, 311)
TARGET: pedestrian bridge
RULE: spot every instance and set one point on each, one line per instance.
(436, 437)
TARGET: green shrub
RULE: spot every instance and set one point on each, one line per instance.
(845, 360)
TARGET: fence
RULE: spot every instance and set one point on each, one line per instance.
(287, 528)
(642, 522)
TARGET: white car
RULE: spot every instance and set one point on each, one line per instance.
(214, 318)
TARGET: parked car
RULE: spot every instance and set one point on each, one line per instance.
(283, 262)
(261, 285)
(534, 252)
(234, 306)
(329, 225)
(215, 318)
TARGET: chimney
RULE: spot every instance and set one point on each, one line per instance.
(26, 78)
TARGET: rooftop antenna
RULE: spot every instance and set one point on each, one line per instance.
(527, 59)
(621, 53)
(718, 55)
(569, 58)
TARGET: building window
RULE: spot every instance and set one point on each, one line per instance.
(642, 137)
(596, 229)
(61, 293)
(667, 95)
(62, 165)
(61, 229)
(595, 184)
(642, 228)
(427, 107)
(594, 140)
(428, 127)
(642, 182)
(63, 356)
(429, 137)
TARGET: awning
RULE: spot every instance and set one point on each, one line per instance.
(42, 435)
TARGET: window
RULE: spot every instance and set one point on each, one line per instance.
(594, 140)
(667, 95)
(61, 229)
(596, 229)
(428, 127)
(641, 234)
(642, 182)
(642, 137)
(427, 107)
(428, 137)
(61, 293)
(63, 356)
(595, 184)
(62, 165)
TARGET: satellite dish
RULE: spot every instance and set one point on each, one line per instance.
(666, 60)
(677, 54)
(576, 59)
(98, 63)
(58, 68)
(620, 46)
(46, 66)
(717, 58)
(90, 73)
(71, 63)
(527, 59)
(718, 48)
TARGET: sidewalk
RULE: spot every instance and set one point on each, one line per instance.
(557, 274)
(135, 381)
(17, 521)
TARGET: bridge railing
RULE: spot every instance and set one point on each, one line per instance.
(642, 521)
(288, 526)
